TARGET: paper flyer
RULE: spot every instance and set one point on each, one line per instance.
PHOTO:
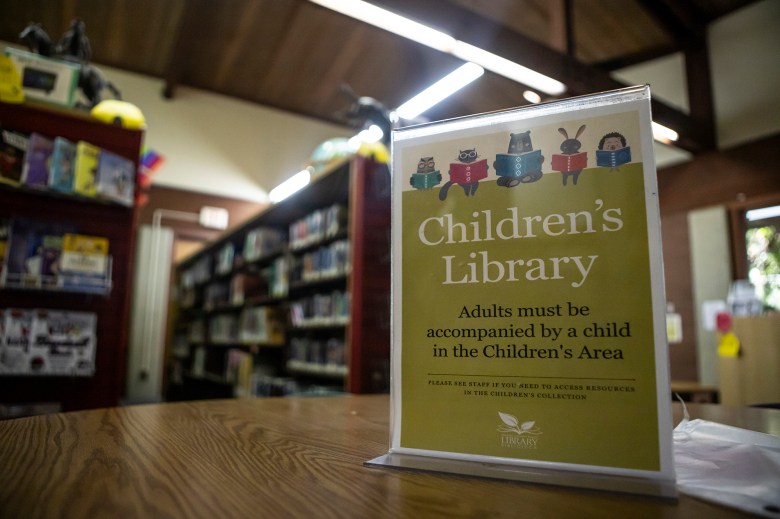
(529, 320)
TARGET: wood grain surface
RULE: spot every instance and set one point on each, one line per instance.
(274, 457)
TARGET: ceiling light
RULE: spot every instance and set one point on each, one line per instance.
(508, 69)
(763, 213)
(440, 90)
(290, 186)
(391, 22)
(443, 42)
(532, 97)
(663, 134)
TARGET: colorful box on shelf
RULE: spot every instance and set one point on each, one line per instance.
(85, 264)
(46, 79)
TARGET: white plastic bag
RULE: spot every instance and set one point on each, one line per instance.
(728, 465)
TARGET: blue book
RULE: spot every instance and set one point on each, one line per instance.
(63, 163)
(613, 158)
(518, 165)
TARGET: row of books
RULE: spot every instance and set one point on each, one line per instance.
(321, 310)
(58, 164)
(318, 352)
(254, 325)
(52, 256)
(325, 262)
(47, 342)
(318, 225)
(263, 385)
(262, 242)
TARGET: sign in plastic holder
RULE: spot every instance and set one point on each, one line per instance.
(529, 320)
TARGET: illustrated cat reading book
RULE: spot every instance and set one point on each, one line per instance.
(467, 172)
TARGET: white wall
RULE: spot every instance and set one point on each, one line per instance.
(219, 145)
(711, 272)
(744, 58)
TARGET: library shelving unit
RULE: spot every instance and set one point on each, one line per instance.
(109, 302)
(295, 300)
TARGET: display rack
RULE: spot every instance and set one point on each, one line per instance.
(111, 299)
(296, 300)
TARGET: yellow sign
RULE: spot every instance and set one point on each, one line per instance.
(728, 345)
(529, 320)
(10, 82)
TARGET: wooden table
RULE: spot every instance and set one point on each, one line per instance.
(276, 457)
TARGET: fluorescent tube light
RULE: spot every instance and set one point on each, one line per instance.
(663, 134)
(440, 90)
(391, 22)
(443, 42)
(763, 213)
(508, 69)
(290, 186)
(532, 97)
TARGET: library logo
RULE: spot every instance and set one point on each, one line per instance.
(516, 435)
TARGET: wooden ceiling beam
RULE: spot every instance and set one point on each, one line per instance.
(579, 78)
(689, 27)
(636, 58)
(186, 29)
(678, 17)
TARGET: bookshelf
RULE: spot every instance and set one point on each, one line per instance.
(296, 300)
(111, 300)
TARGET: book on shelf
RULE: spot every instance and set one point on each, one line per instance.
(225, 258)
(62, 172)
(318, 225)
(326, 356)
(246, 285)
(84, 262)
(32, 255)
(261, 242)
(115, 179)
(87, 156)
(238, 371)
(13, 146)
(35, 172)
(223, 329)
(261, 324)
(5, 231)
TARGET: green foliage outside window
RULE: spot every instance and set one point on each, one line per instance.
(763, 251)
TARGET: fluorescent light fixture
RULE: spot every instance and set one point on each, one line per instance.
(508, 69)
(290, 186)
(663, 134)
(763, 213)
(532, 97)
(443, 42)
(440, 90)
(391, 22)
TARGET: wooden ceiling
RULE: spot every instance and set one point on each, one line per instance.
(295, 55)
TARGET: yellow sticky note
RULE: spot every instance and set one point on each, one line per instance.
(728, 345)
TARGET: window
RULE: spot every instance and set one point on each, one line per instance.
(762, 243)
